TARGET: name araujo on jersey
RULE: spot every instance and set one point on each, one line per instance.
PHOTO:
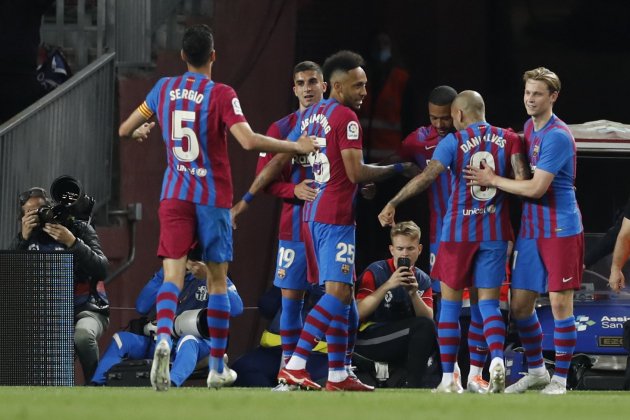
(476, 141)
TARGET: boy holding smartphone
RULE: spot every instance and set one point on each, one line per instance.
(395, 302)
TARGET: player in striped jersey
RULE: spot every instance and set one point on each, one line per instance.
(419, 147)
(293, 186)
(549, 252)
(475, 232)
(195, 113)
(330, 224)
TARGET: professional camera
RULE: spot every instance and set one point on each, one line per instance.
(70, 203)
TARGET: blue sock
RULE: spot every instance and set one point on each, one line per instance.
(291, 325)
(564, 338)
(218, 327)
(493, 326)
(448, 333)
(477, 346)
(166, 307)
(316, 324)
(531, 335)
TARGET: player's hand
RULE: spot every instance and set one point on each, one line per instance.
(142, 133)
(483, 175)
(368, 190)
(60, 234)
(304, 191)
(235, 211)
(386, 216)
(197, 269)
(306, 144)
(410, 169)
(617, 280)
(30, 220)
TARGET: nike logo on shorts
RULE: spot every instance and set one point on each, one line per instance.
(566, 280)
(430, 147)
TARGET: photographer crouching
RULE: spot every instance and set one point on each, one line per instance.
(49, 225)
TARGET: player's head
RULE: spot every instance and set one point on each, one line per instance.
(308, 83)
(542, 87)
(440, 100)
(467, 107)
(405, 237)
(198, 45)
(346, 77)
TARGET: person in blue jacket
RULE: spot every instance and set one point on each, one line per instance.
(190, 349)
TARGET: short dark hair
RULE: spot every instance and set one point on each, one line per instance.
(343, 60)
(442, 95)
(198, 44)
(307, 66)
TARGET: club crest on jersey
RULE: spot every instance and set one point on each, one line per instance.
(345, 268)
(236, 105)
(353, 130)
(281, 273)
(535, 152)
(201, 294)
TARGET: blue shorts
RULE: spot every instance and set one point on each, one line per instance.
(548, 264)
(291, 266)
(214, 229)
(330, 252)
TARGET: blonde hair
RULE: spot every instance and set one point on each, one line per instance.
(545, 75)
(407, 228)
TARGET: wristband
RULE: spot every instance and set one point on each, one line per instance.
(399, 167)
(248, 197)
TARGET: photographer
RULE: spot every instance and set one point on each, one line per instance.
(395, 307)
(139, 341)
(91, 307)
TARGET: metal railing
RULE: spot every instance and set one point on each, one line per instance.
(86, 29)
(69, 131)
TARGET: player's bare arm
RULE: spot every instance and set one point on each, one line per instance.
(535, 187)
(135, 127)
(520, 167)
(359, 172)
(415, 186)
(617, 280)
(250, 140)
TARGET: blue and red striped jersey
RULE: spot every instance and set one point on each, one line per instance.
(418, 147)
(337, 128)
(195, 113)
(556, 213)
(293, 173)
(477, 213)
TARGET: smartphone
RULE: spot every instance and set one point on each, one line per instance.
(404, 262)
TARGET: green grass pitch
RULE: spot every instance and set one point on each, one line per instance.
(87, 403)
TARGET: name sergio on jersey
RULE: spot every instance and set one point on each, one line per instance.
(476, 141)
(191, 95)
(316, 119)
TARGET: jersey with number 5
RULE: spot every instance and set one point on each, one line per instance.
(195, 113)
(477, 213)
